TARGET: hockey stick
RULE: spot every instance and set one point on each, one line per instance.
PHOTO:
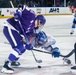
(11, 4)
(75, 52)
(64, 56)
(68, 55)
(38, 61)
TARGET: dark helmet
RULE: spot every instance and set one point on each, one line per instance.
(41, 18)
(21, 6)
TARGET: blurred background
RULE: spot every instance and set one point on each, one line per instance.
(35, 3)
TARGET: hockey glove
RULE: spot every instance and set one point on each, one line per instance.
(55, 52)
(29, 46)
(17, 15)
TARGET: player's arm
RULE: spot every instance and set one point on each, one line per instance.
(43, 41)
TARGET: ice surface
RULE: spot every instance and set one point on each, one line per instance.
(59, 27)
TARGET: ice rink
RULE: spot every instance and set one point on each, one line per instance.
(59, 27)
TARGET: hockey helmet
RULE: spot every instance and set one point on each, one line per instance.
(20, 6)
(41, 37)
(41, 18)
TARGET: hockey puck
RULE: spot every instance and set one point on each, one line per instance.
(39, 66)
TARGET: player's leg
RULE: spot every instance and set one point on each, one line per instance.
(73, 27)
(18, 49)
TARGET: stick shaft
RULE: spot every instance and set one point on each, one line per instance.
(11, 4)
(68, 55)
(38, 61)
(75, 52)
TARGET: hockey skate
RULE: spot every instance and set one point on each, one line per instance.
(71, 32)
(6, 68)
(15, 63)
(73, 69)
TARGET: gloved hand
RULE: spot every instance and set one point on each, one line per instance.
(17, 15)
(29, 46)
(55, 52)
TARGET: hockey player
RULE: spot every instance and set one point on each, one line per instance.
(72, 6)
(23, 31)
(74, 22)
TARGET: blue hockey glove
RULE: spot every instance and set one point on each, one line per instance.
(29, 46)
(17, 15)
(55, 52)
